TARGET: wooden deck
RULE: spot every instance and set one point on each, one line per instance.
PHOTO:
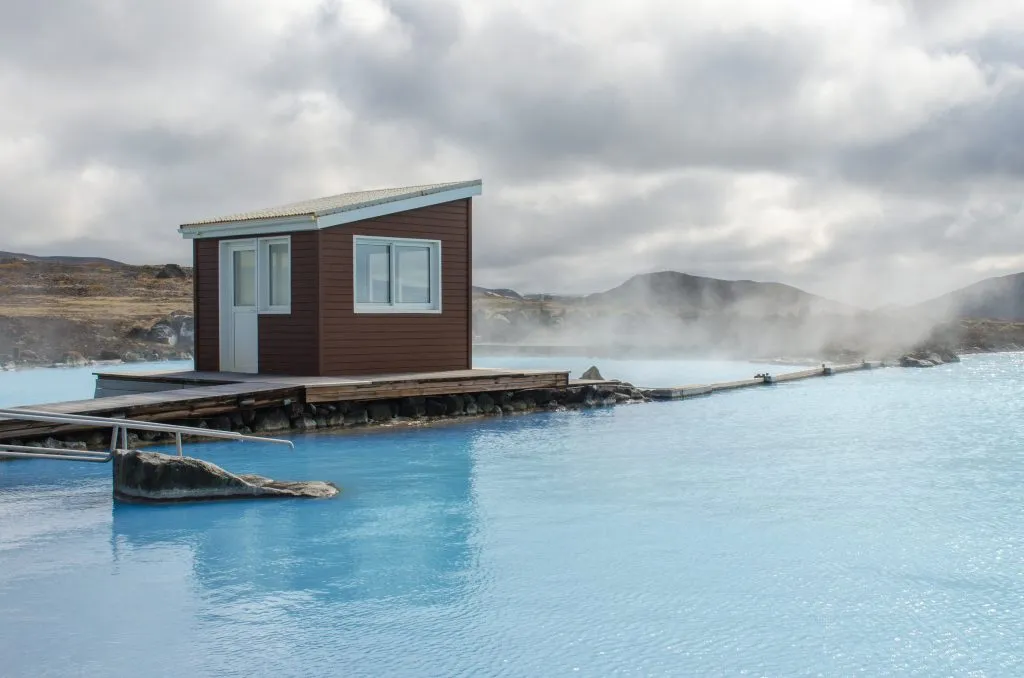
(169, 396)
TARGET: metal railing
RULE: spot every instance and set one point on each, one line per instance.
(119, 433)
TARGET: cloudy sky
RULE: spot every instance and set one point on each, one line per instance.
(869, 151)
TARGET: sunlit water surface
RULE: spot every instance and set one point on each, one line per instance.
(867, 524)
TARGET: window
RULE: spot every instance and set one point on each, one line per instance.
(397, 275)
(244, 267)
(275, 275)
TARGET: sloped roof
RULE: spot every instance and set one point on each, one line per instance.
(334, 204)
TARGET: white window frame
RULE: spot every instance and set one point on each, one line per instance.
(434, 307)
(263, 276)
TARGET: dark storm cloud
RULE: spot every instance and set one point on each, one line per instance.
(767, 141)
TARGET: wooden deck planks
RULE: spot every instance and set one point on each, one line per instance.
(207, 394)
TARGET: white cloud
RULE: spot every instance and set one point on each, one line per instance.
(864, 149)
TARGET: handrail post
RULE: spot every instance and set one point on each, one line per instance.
(177, 442)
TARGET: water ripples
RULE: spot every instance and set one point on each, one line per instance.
(870, 524)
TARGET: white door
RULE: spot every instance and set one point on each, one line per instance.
(239, 337)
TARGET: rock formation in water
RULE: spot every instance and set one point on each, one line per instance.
(592, 374)
(152, 477)
(929, 356)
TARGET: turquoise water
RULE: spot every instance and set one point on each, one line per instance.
(868, 524)
(56, 384)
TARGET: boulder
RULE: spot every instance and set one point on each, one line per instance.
(576, 395)
(221, 423)
(153, 477)
(592, 374)
(177, 329)
(74, 359)
(435, 408)
(171, 271)
(357, 416)
(929, 354)
(184, 326)
(271, 420)
(380, 412)
(335, 418)
(162, 333)
(453, 404)
(305, 422)
(545, 395)
(486, 403)
(413, 408)
(26, 355)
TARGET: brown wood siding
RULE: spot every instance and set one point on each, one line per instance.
(469, 283)
(288, 343)
(359, 344)
(206, 288)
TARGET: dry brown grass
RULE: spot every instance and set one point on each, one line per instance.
(92, 293)
(94, 308)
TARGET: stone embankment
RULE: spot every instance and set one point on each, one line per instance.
(336, 416)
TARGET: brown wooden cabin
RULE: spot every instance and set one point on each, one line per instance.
(372, 282)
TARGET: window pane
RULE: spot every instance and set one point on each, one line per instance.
(280, 275)
(413, 272)
(373, 274)
(244, 266)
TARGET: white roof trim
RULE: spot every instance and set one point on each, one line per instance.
(310, 222)
(404, 205)
(251, 227)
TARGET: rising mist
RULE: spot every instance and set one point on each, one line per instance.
(671, 313)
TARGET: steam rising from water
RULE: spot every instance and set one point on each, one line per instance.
(674, 313)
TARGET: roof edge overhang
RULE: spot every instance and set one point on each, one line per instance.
(313, 221)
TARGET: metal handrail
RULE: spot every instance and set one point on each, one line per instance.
(53, 417)
(119, 429)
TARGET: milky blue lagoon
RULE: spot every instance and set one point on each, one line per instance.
(58, 384)
(868, 524)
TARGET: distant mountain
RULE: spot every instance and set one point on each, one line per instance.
(505, 293)
(567, 298)
(499, 293)
(999, 298)
(17, 256)
(691, 294)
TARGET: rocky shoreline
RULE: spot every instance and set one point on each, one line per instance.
(33, 342)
